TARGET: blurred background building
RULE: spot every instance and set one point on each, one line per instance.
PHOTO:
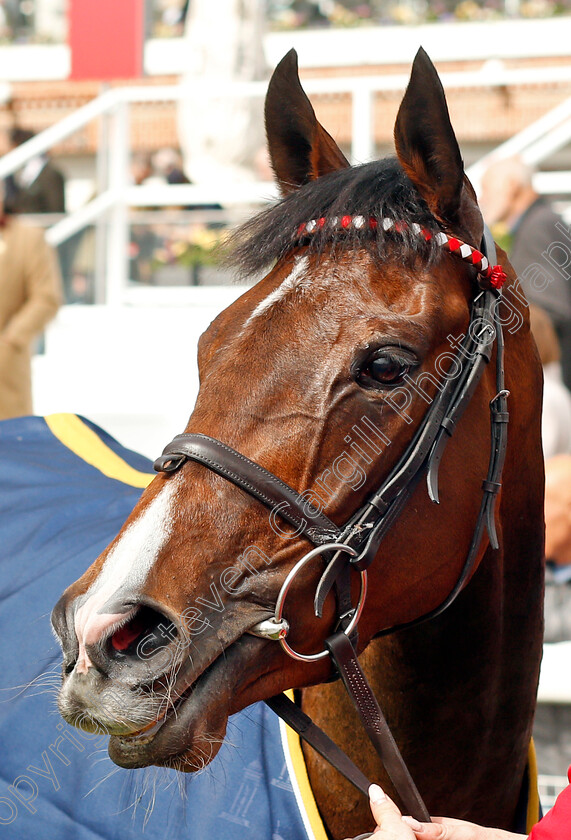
(334, 39)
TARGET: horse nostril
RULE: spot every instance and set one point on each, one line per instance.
(63, 629)
(59, 618)
(123, 638)
(146, 633)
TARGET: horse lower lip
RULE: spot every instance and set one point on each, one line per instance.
(140, 750)
(146, 735)
(135, 750)
(209, 695)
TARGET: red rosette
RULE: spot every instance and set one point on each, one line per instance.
(497, 276)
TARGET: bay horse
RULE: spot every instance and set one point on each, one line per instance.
(327, 373)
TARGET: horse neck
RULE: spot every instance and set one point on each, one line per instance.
(458, 696)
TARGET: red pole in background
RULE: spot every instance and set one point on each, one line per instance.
(106, 39)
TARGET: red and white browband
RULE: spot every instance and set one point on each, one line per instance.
(495, 274)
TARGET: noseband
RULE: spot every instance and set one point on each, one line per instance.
(356, 544)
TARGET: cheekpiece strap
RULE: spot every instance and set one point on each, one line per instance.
(282, 499)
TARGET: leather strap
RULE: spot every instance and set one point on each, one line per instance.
(316, 737)
(490, 486)
(481, 352)
(375, 724)
(499, 415)
(375, 532)
(254, 479)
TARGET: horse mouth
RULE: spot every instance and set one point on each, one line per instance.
(189, 732)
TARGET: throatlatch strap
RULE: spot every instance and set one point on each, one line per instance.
(375, 724)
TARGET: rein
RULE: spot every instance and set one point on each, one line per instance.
(355, 545)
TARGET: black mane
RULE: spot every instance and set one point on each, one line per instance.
(374, 190)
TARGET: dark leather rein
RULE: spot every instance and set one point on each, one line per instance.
(355, 545)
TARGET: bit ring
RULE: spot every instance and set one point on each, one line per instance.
(286, 585)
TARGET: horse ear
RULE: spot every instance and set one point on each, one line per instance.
(300, 148)
(426, 145)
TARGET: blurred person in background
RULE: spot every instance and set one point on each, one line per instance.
(556, 439)
(552, 726)
(168, 169)
(558, 512)
(144, 240)
(167, 164)
(36, 188)
(537, 242)
(141, 168)
(39, 187)
(556, 418)
(30, 295)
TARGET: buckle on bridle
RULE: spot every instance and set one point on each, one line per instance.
(277, 628)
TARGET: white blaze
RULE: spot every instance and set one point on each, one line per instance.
(126, 566)
(293, 281)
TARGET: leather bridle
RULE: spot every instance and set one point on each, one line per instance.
(355, 545)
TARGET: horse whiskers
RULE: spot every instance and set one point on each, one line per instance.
(100, 759)
(47, 689)
(168, 699)
(50, 679)
(204, 756)
(148, 784)
(151, 805)
(103, 779)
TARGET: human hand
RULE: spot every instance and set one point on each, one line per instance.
(446, 828)
(390, 823)
(392, 826)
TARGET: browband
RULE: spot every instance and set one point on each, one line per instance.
(492, 275)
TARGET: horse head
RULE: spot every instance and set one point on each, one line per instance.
(322, 374)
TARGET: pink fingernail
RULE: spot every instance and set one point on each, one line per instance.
(414, 824)
(376, 794)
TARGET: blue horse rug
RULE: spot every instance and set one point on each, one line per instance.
(66, 487)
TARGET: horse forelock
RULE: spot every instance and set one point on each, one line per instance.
(376, 190)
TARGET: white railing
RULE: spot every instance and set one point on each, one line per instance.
(534, 144)
(109, 209)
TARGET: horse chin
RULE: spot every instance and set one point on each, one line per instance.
(190, 734)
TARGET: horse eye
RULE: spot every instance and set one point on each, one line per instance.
(386, 368)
